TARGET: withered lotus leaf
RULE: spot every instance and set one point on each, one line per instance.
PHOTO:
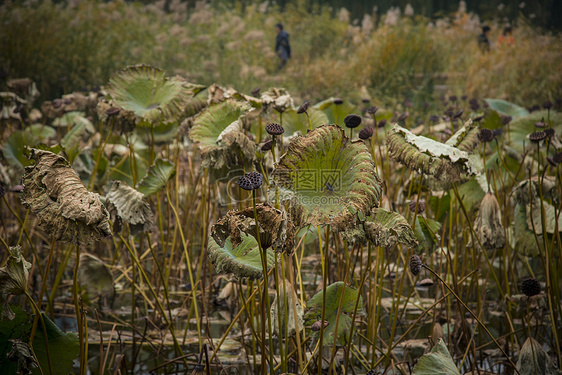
(386, 228)
(66, 209)
(129, 205)
(327, 179)
(425, 155)
(488, 226)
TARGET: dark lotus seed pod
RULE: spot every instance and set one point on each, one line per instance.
(366, 133)
(381, 123)
(549, 132)
(458, 114)
(541, 124)
(551, 161)
(434, 118)
(474, 106)
(547, 104)
(557, 158)
(303, 108)
(536, 137)
(534, 108)
(449, 112)
(478, 118)
(338, 101)
(453, 98)
(415, 264)
(473, 101)
(352, 121)
(485, 105)
(403, 116)
(366, 100)
(506, 119)
(57, 103)
(426, 283)
(531, 287)
(2, 191)
(113, 111)
(267, 146)
(67, 101)
(274, 129)
(256, 92)
(497, 132)
(372, 110)
(485, 135)
(420, 203)
(464, 97)
(251, 181)
(317, 325)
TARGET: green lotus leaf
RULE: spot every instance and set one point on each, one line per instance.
(385, 228)
(525, 241)
(521, 127)
(219, 133)
(446, 163)
(427, 234)
(507, 108)
(95, 276)
(63, 347)
(330, 179)
(335, 112)
(66, 209)
(466, 138)
(129, 205)
(67, 120)
(215, 121)
(82, 129)
(286, 310)
(436, 362)
(146, 91)
(13, 149)
(15, 274)
(534, 360)
(40, 131)
(197, 103)
(156, 177)
(242, 260)
(333, 297)
(295, 123)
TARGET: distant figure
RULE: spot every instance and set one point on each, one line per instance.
(282, 46)
(483, 41)
(506, 38)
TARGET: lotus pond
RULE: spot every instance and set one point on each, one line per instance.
(162, 226)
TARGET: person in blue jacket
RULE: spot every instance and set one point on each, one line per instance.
(282, 46)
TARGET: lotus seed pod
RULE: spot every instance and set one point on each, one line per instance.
(536, 137)
(338, 101)
(453, 98)
(303, 108)
(366, 133)
(531, 287)
(251, 181)
(478, 118)
(113, 111)
(381, 123)
(541, 124)
(549, 132)
(485, 135)
(267, 146)
(420, 204)
(274, 129)
(352, 121)
(506, 119)
(317, 325)
(415, 264)
(434, 118)
(372, 110)
(458, 114)
(557, 158)
(497, 132)
(403, 116)
(547, 104)
(256, 92)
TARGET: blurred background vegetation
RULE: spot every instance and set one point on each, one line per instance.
(394, 50)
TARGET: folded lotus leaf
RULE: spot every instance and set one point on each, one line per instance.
(95, 276)
(123, 122)
(129, 205)
(386, 228)
(286, 310)
(15, 274)
(438, 361)
(534, 213)
(333, 296)
(527, 190)
(488, 226)
(466, 138)
(146, 91)
(65, 208)
(534, 360)
(427, 234)
(335, 110)
(277, 98)
(506, 108)
(156, 177)
(331, 179)
(275, 228)
(422, 154)
(243, 260)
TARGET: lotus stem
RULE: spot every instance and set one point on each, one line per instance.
(309, 122)
(31, 337)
